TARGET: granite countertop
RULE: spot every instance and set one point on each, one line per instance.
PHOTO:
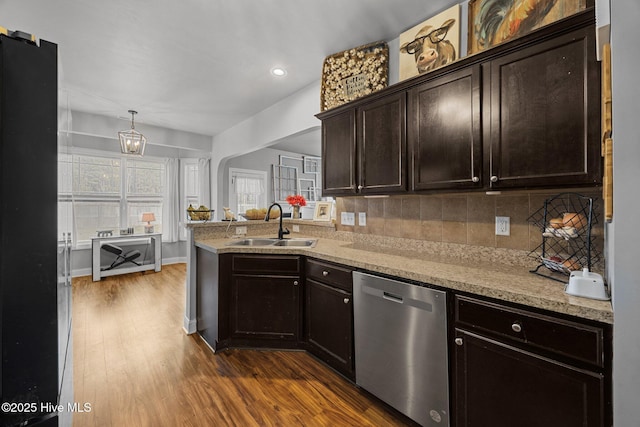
(494, 280)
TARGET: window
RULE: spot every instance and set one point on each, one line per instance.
(246, 190)
(95, 195)
(107, 193)
(144, 192)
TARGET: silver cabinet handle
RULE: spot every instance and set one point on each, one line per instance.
(475, 179)
(517, 327)
(360, 187)
(494, 178)
(295, 283)
(458, 341)
(346, 300)
(325, 273)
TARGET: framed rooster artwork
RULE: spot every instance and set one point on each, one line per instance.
(492, 22)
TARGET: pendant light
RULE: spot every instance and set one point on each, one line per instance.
(132, 141)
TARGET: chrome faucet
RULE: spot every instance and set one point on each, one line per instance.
(281, 232)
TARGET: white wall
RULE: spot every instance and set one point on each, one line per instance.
(623, 235)
(290, 116)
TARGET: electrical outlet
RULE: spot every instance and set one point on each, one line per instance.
(347, 218)
(241, 230)
(362, 219)
(503, 226)
(296, 228)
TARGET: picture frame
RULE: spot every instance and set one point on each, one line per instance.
(431, 44)
(490, 23)
(322, 211)
(353, 73)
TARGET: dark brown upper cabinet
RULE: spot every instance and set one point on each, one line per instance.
(365, 148)
(339, 154)
(524, 114)
(382, 146)
(444, 132)
(543, 114)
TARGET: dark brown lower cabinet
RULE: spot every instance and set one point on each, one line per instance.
(329, 321)
(329, 314)
(265, 301)
(515, 367)
(500, 385)
(265, 307)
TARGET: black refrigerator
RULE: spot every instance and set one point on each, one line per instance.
(29, 285)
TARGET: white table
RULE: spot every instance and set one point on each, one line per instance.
(154, 239)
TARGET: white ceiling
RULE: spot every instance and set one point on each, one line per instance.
(201, 65)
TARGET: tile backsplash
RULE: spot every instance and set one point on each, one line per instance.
(464, 219)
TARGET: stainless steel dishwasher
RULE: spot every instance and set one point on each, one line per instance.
(401, 346)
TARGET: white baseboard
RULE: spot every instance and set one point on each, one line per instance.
(190, 325)
(175, 260)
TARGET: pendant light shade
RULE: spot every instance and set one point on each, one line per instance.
(132, 141)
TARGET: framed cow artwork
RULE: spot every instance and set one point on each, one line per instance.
(430, 44)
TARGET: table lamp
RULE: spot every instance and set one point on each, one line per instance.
(148, 217)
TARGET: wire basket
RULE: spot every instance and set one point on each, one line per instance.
(566, 223)
(200, 214)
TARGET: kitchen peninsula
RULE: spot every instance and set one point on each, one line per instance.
(496, 309)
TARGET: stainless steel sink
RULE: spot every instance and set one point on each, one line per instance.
(306, 243)
(252, 242)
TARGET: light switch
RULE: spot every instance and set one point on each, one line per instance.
(347, 218)
(362, 219)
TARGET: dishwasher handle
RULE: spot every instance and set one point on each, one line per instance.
(374, 291)
(391, 297)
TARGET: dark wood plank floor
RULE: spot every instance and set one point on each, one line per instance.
(135, 366)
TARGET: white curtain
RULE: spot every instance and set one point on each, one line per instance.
(204, 182)
(171, 206)
(248, 185)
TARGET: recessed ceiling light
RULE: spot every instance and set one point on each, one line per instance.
(279, 72)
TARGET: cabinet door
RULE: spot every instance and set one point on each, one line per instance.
(339, 154)
(499, 385)
(265, 307)
(545, 114)
(382, 145)
(329, 316)
(445, 132)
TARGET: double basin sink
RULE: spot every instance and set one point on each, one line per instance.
(274, 242)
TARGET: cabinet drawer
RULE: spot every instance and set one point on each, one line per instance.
(330, 274)
(571, 339)
(266, 264)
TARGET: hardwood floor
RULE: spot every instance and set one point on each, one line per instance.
(135, 366)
